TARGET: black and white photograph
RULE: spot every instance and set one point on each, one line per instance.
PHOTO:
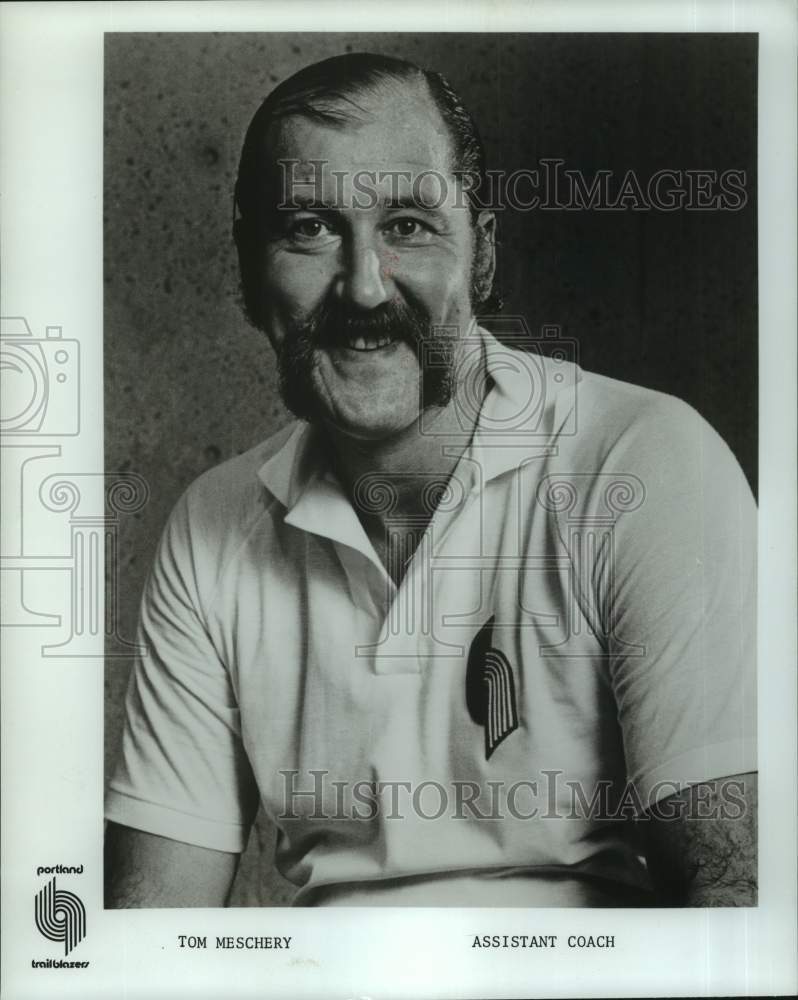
(474, 624)
(397, 435)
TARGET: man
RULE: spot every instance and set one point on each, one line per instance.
(468, 642)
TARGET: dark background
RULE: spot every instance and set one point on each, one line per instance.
(662, 299)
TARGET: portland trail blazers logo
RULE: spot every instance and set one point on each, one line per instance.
(490, 689)
(60, 916)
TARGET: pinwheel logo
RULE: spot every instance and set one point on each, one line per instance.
(60, 916)
(490, 689)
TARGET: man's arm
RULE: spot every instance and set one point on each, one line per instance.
(700, 845)
(144, 870)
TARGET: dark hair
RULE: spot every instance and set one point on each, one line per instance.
(325, 92)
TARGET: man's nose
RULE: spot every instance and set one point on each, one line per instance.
(364, 282)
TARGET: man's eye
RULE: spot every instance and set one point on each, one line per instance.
(407, 229)
(309, 230)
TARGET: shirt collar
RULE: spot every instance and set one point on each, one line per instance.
(531, 404)
(288, 471)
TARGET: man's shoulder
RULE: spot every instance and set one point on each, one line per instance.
(629, 402)
(649, 444)
(231, 496)
(633, 422)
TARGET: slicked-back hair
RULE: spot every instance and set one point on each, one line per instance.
(327, 92)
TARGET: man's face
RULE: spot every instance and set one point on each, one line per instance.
(346, 290)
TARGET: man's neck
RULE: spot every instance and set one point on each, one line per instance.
(393, 482)
(405, 463)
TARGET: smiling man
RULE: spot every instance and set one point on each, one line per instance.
(463, 648)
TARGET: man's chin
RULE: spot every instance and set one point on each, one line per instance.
(369, 427)
(364, 395)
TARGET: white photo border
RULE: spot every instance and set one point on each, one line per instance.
(51, 136)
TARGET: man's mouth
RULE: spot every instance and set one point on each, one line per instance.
(370, 343)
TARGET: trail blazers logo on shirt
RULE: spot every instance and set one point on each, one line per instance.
(490, 689)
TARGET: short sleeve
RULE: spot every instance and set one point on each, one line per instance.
(681, 600)
(182, 771)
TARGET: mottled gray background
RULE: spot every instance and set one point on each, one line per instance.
(666, 300)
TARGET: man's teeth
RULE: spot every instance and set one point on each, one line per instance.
(369, 343)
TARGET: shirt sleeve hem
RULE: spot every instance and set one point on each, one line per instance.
(167, 822)
(706, 763)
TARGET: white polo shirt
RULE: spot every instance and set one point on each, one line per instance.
(573, 639)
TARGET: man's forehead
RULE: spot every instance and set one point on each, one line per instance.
(397, 127)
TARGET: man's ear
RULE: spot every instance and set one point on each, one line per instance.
(484, 255)
(248, 271)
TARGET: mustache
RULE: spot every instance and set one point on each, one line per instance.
(333, 324)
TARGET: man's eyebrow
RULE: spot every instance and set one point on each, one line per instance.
(301, 202)
(309, 202)
(409, 201)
